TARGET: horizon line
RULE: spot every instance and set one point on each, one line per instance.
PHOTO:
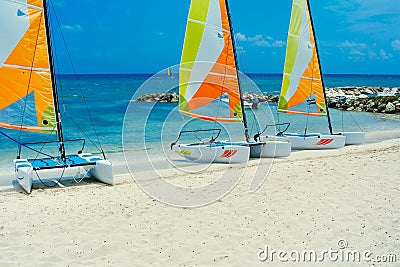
(248, 73)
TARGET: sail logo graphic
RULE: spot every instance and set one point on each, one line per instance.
(220, 36)
(228, 154)
(22, 13)
(324, 142)
(185, 152)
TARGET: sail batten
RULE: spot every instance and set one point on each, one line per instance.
(38, 7)
(208, 66)
(211, 25)
(302, 79)
(25, 67)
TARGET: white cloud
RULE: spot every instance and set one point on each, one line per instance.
(369, 17)
(256, 38)
(365, 8)
(355, 52)
(72, 28)
(383, 55)
(240, 49)
(270, 44)
(259, 40)
(241, 37)
(348, 44)
(360, 52)
(396, 45)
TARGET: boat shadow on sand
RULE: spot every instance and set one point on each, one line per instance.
(48, 185)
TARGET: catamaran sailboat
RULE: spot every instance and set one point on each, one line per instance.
(303, 90)
(209, 70)
(29, 89)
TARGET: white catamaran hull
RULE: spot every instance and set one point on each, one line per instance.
(215, 152)
(272, 148)
(101, 170)
(315, 141)
(23, 173)
(268, 149)
(354, 138)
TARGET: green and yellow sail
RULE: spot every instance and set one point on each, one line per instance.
(302, 74)
(208, 68)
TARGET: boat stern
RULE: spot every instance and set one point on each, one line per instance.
(23, 173)
(354, 138)
(102, 170)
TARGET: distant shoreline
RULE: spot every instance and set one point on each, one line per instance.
(248, 74)
(350, 98)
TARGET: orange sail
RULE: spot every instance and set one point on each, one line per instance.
(26, 99)
(208, 68)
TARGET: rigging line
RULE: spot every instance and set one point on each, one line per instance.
(67, 114)
(342, 110)
(56, 182)
(342, 121)
(232, 39)
(22, 144)
(64, 163)
(254, 123)
(354, 119)
(76, 177)
(48, 137)
(78, 81)
(59, 81)
(84, 133)
(30, 77)
(188, 125)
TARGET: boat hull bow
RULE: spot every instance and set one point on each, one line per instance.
(315, 141)
(354, 138)
(215, 152)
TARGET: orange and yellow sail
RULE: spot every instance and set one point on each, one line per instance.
(208, 65)
(26, 94)
(302, 79)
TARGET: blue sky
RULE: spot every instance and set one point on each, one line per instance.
(355, 36)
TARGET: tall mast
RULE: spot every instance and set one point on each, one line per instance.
(246, 130)
(54, 83)
(319, 63)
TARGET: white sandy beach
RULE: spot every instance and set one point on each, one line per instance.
(309, 201)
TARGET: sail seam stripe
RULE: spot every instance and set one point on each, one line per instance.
(25, 67)
(210, 117)
(299, 37)
(302, 7)
(223, 75)
(304, 77)
(15, 126)
(24, 4)
(208, 24)
(212, 73)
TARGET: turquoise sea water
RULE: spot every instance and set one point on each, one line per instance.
(108, 96)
